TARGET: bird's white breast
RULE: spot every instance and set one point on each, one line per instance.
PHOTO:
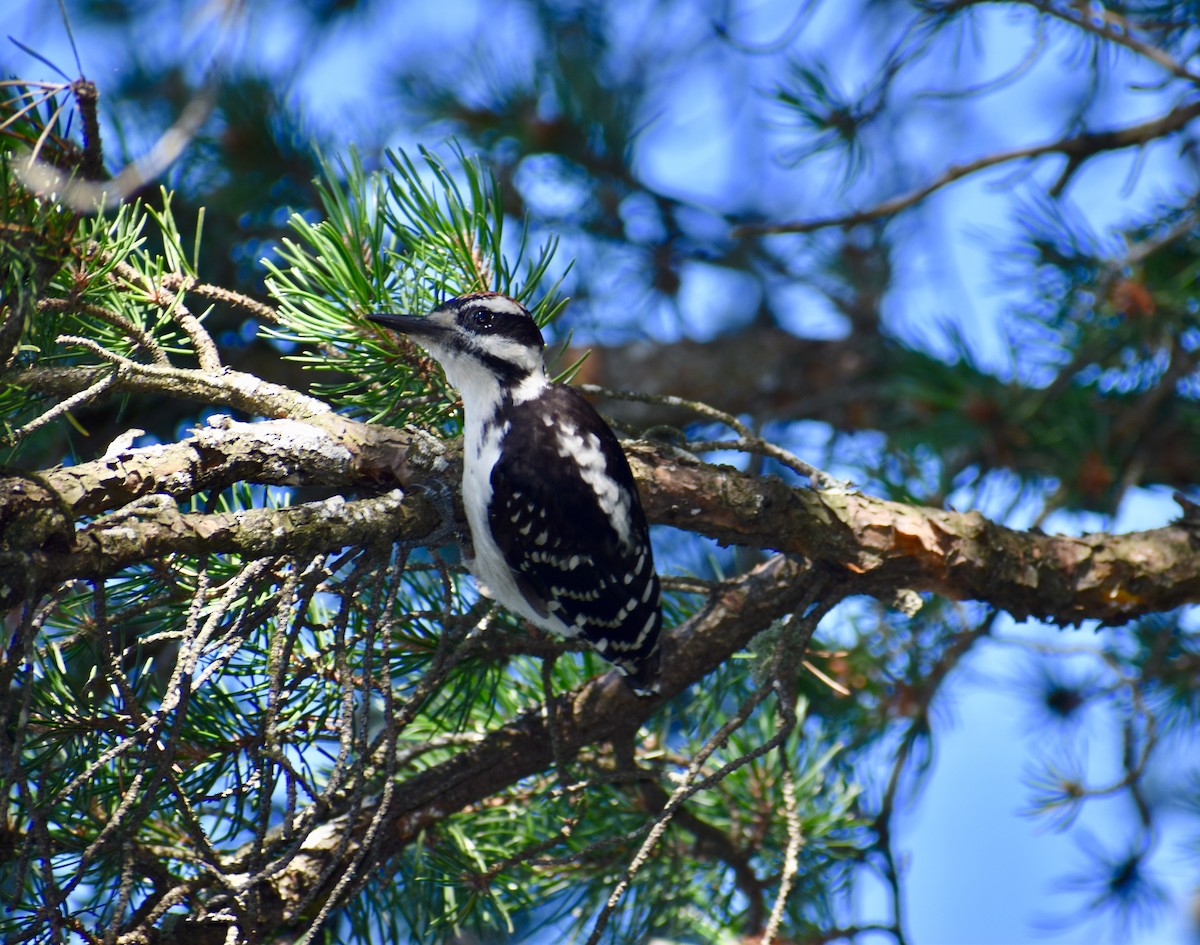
(483, 438)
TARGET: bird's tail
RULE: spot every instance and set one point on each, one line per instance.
(643, 675)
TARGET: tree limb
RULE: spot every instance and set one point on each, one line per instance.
(335, 453)
(961, 555)
(225, 388)
(1114, 27)
(1111, 578)
(1077, 149)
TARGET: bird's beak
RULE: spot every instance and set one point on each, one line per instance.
(418, 325)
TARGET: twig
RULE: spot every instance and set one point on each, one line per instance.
(1077, 149)
(926, 693)
(686, 789)
(748, 441)
(1114, 27)
(795, 632)
(106, 381)
(791, 855)
(141, 338)
(352, 873)
(228, 387)
(90, 344)
(1139, 251)
(203, 345)
(177, 281)
(49, 90)
(85, 196)
(828, 680)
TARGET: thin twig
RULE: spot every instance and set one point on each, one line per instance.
(827, 680)
(1142, 249)
(748, 440)
(172, 305)
(916, 730)
(140, 337)
(65, 406)
(228, 387)
(686, 789)
(177, 281)
(795, 632)
(1114, 27)
(1077, 149)
(791, 855)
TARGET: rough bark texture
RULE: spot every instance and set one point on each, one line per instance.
(962, 555)
(46, 535)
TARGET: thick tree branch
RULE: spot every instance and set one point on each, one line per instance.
(336, 453)
(1111, 578)
(962, 555)
(41, 546)
(159, 529)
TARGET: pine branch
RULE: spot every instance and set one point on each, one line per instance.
(961, 555)
(224, 452)
(892, 546)
(158, 529)
(1115, 27)
(1076, 148)
(600, 711)
(225, 388)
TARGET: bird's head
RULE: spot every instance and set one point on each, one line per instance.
(483, 334)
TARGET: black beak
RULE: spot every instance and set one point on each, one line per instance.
(407, 324)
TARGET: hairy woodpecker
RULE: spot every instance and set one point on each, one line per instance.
(559, 532)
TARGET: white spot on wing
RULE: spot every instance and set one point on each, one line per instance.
(614, 501)
(533, 386)
(646, 628)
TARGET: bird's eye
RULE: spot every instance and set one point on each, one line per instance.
(482, 319)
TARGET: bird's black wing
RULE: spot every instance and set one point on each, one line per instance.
(575, 534)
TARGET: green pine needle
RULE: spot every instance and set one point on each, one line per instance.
(396, 241)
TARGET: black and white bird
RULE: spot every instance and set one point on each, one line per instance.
(559, 532)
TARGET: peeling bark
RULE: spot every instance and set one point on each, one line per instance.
(962, 555)
(1111, 578)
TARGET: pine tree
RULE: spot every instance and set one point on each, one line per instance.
(248, 692)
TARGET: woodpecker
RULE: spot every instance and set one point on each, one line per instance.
(559, 533)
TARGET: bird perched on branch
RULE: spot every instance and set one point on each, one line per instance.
(559, 532)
